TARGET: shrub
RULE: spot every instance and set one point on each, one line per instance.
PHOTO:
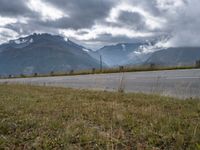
(72, 72)
(35, 74)
(198, 64)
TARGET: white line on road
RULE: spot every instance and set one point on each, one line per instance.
(183, 78)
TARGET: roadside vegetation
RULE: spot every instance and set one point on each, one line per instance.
(33, 117)
(119, 69)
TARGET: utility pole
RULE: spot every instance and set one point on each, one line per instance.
(101, 64)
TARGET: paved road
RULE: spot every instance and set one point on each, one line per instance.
(178, 83)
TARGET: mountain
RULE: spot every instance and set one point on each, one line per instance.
(43, 53)
(175, 56)
(119, 54)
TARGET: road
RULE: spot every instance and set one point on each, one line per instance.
(176, 83)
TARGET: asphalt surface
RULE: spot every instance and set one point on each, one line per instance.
(176, 83)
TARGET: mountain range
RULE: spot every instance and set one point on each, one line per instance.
(120, 54)
(43, 53)
(180, 56)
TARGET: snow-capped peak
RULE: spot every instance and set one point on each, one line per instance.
(20, 41)
(85, 50)
(66, 39)
(123, 47)
(31, 40)
(152, 46)
(23, 41)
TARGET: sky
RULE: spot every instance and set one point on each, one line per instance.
(95, 23)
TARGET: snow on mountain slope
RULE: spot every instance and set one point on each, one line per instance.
(43, 53)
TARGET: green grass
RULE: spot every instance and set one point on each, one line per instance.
(34, 117)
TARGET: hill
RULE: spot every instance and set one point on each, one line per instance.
(120, 54)
(175, 56)
(43, 53)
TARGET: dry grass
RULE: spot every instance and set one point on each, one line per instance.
(56, 118)
(104, 71)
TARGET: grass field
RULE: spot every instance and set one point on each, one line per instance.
(56, 118)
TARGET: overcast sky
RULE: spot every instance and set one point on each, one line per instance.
(100, 22)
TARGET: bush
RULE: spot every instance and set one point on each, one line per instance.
(152, 66)
(93, 70)
(35, 74)
(72, 72)
(198, 63)
(22, 76)
(121, 68)
(52, 73)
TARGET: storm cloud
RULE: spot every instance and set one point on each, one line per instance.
(95, 23)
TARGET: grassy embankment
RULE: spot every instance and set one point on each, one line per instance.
(56, 118)
(104, 71)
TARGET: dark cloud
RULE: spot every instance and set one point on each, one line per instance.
(133, 19)
(92, 22)
(13, 8)
(83, 14)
